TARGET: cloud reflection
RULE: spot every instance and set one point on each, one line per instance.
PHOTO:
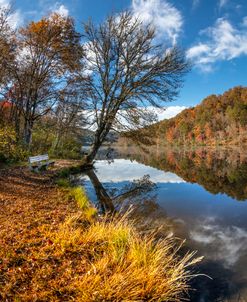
(224, 243)
(125, 170)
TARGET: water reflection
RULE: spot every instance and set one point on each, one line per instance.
(180, 191)
(129, 170)
(104, 201)
(217, 170)
(227, 243)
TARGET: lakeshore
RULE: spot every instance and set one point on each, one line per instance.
(54, 247)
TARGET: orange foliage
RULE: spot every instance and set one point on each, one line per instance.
(218, 119)
(55, 37)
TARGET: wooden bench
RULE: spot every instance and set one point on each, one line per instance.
(39, 162)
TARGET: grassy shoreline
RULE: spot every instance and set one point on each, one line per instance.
(87, 257)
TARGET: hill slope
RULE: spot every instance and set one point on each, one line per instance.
(219, 119)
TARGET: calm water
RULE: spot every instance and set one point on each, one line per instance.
(201, 195)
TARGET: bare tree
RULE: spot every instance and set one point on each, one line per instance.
(127, 71)
(69, 112)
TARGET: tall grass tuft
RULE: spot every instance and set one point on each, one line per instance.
(119, 264)
(79, 195)
(88, 258)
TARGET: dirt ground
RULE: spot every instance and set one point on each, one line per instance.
(28, 203)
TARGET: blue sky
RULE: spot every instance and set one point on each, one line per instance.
(212, 32)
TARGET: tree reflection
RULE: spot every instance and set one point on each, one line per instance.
(217, 170)
(105, 203)
(138, 198)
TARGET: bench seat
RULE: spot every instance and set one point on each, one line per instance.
(40, 161)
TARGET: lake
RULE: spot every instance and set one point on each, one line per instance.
(199, 195)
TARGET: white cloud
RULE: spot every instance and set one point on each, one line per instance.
(223, 42)
(62, 10)
(222, 3)
(15, 19)
(168, 112)
(4, 3)
(158, 113)
(48, 6)
(166, 18)
(198, 50)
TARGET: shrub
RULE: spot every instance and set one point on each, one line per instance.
(44, 140)
(66, 172)
(10, 150)
(70, 147)
(63, 182)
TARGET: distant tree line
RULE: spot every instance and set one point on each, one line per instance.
(218, 120)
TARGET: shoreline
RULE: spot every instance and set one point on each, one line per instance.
(55, 247)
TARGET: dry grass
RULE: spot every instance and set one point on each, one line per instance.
(100, 260)
(89, 258)
(123, 266)
(78, 195)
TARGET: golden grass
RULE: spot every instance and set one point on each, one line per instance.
(105, 260)
(78, 194)
(90, 258)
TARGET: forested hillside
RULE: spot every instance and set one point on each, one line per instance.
(219, 119)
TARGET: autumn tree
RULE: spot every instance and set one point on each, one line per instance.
(127, 72)
(46, 52)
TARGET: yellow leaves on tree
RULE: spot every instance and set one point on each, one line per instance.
(55, 38)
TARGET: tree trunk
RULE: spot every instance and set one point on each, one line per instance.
(28, 129)
(57, 141)
(99, 138)
(95, 147)
(16, 117)
(91, 156)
